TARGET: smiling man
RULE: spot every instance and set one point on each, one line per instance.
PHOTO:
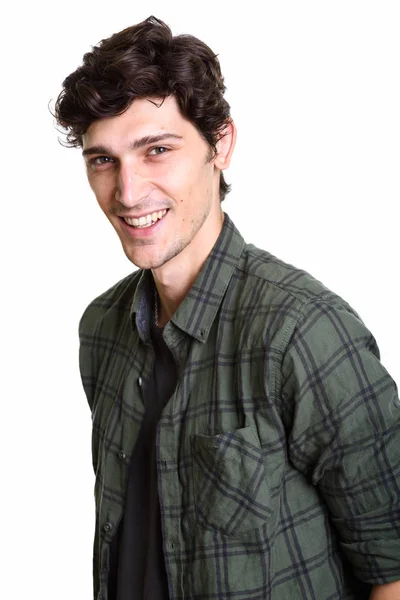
(153, 175)
(245, 434)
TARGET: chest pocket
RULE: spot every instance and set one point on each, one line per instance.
(230, 490)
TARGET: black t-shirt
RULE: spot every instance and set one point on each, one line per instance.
(137, 568)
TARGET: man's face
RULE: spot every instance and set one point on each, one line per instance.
(150, 172)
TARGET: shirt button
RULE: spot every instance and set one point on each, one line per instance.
(107, 527)
(140, 382)
(122, 455)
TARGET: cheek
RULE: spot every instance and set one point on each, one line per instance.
(173, 185)
(183, 175)
(103, 188)
(191, 189)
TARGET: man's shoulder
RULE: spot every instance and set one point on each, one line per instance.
(276, 297)
(115, 302)
(258, 264)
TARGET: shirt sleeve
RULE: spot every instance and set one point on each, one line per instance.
(344, 433)
(87, 356)
(89, 367)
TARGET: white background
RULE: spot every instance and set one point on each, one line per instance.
(314, 90)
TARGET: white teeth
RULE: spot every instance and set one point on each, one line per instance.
(147, 220)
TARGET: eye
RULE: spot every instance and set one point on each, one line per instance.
(99, 161)
(158, 150)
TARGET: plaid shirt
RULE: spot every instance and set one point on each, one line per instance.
(277, 455)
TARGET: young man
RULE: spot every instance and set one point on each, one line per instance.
(245, 434)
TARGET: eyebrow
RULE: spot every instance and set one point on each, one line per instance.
(139, 143)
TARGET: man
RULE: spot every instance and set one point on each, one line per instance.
(245, 434)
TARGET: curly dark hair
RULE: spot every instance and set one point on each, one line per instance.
(145, 61)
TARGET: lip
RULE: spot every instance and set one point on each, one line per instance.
(149, 212)
(137, 233)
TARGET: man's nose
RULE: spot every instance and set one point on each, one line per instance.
(131, 187)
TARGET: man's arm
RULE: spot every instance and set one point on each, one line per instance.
(345, 436)
(388, 591)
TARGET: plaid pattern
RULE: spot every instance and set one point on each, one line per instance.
(278, 467)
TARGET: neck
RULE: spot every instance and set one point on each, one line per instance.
(175, 278)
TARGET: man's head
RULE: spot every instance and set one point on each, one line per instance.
(130, 92)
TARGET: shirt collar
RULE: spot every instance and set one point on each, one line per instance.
(196, 314)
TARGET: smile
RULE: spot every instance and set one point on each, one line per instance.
(146, 220)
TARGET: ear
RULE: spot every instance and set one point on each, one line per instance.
(225, 146)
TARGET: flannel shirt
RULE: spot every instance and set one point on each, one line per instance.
(277, 454)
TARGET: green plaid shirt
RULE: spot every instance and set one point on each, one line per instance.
(277, 455)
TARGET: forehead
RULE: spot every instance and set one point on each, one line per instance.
(143, 117)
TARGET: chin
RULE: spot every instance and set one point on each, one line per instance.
(144, 262)
(148, 260)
